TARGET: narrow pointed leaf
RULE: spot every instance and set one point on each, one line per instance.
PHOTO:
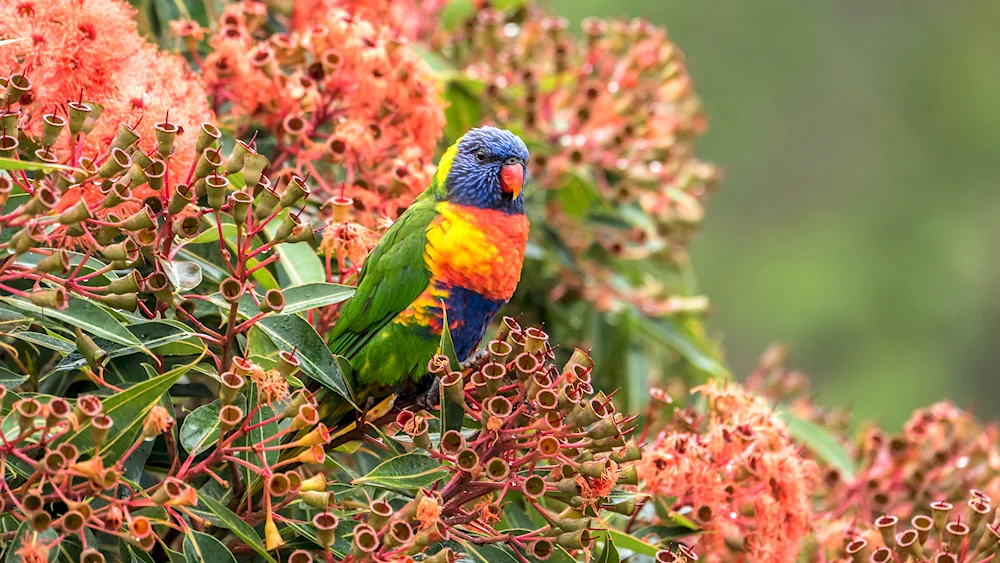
(128, 411)
(407, 472)
(235, 524)
(820, 442)
(291, 332)
(203, 548)
(86, 315)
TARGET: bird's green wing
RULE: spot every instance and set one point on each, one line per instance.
(393, 276)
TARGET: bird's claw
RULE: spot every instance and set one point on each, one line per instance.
(473, 360)
(429, 398)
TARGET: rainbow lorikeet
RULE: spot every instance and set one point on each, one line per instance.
(457, 249)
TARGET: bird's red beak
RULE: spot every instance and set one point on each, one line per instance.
(512, 178)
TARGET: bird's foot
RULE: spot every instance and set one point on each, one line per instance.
(474, 360)
(429, 398)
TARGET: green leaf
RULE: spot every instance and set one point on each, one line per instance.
(820, 442)
(200, 430)
(128, 411)
(45, 167)
(291, 332)
(609, 554)
(211, 234)
(86, 315)
(297, 299)
(154, 336)
(577, 195)
(300, 261)
(314, 295)
(407, 472)
(201, 548)
(236, 525)
(631, 543)
(464, 110)
(451, 414)
(669, 332)
(57, 343)
(9, 380)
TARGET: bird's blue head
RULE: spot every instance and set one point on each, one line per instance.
(486, 168)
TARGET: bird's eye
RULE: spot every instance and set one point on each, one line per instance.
(481, 155)
(512, 160)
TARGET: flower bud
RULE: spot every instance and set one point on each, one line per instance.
(216, 186)
(265, 206)
(289, 223)
(117, 161)
(540, 549)
(90, 555)
(142, 219)
(320, 500)
(273, 302)
(235, 162)
(208, 135)
(535, 340)
(208, 163)
(454, 386)
(294, 191)
(316, 483)
(78, 113)
(231, 290)
(239, 203)
(287, 363)
(467, 460)
(41, 202)
(580, 539)
(124, 138)
(114, 195)
(230, 386)
(8, 146)
(313, 454)
(253, 166)
(58, 261)
(229, 417)
(186, 226)
(166, 132)
(365, 541)
(326, 529)
(50, 298)
(159, 284)
(399, 533)
(300, 556)
(100, 426)
(52, 126)
(272, 537)
(127, 302)
(75, 214)
(156, 171)
(182, 197)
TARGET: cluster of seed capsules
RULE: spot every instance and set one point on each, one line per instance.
(611, 120)
(125, 212)
(544, 437)
(941, 453)
(943, 533)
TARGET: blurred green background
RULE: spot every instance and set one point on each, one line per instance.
(858, 217)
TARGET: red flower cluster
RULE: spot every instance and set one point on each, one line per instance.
(90, 50)
(412, 19)
(344, 99)
(740, 475)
